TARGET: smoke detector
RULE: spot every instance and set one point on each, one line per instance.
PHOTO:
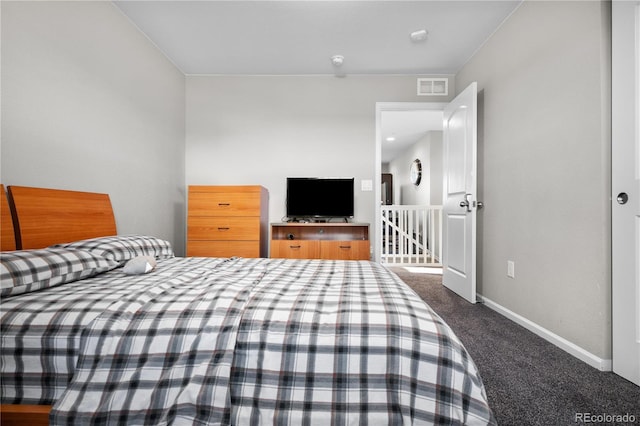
(418, 36)
(337, 60)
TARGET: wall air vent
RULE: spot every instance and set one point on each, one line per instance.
(433, 86)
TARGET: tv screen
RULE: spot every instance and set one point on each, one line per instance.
(319, 197)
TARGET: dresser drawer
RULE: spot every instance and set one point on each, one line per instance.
(224, 204)
(295, 249)
(223, 248)
(345, 250)
(223, 228)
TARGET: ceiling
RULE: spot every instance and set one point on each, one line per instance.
(406, 128)
(299, 37)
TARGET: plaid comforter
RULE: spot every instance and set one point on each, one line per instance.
(238, 341)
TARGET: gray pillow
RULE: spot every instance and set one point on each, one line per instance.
(122, 248)
(23, 271)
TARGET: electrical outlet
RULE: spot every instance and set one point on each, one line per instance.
(511, 269)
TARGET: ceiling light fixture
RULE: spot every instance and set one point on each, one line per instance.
(390, 138)
(418, 36)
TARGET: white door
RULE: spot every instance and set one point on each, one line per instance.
(625, 210)
(460, 191)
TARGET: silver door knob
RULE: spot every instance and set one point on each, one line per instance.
(622, 198)
(466, 204)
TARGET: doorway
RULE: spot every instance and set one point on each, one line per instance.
(402, 120)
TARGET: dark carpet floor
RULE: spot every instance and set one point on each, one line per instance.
(528, 380)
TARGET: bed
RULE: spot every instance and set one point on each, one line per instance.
(114, 329)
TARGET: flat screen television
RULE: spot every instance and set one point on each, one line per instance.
(309, 197)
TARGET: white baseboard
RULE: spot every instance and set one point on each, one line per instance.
(573, 349)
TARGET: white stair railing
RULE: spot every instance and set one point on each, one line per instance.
(412, 235)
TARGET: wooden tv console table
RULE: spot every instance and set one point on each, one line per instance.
(326, 240)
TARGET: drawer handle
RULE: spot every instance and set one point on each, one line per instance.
(224, 204)
(220, 228)
(345, 247)
(294, 247)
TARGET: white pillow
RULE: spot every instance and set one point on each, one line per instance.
(139, 265)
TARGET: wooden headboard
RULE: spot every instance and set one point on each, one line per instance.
(51, 216)
(43, 217)
(7, 234)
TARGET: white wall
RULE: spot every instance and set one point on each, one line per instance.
(429, 151)
(89, 104)
(436, 160)
(259, 130)
(544, 154)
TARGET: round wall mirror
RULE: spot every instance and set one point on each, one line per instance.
(415, 173)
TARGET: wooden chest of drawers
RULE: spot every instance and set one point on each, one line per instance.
(225, 221)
